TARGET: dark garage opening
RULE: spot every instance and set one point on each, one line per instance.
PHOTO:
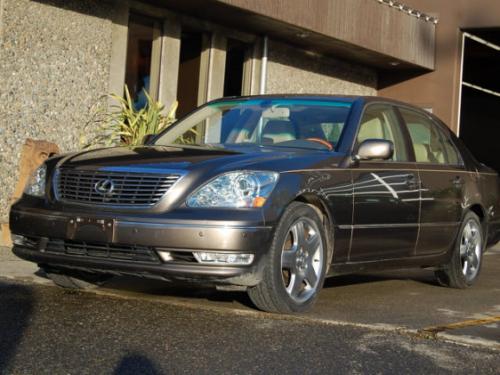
(189, 72)
(480, 108)
(235, 61)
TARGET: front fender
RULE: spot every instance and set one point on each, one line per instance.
(329, 190)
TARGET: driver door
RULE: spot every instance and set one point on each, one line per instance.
(386, 193)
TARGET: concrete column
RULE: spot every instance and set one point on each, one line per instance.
(217, 67)
(169, 66)
(253, 69)
(154, 85)
(212, 67)
(118, 59)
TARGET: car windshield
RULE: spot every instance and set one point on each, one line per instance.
(296, 123)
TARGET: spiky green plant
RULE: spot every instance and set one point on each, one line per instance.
(123, 124)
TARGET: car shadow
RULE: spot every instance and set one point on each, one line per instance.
(136, 364)
(16, 310)
(179, 290)
(189, 291)
(418, 276)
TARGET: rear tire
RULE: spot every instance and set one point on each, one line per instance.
(465, 264)
(71, 279)
(295, 265)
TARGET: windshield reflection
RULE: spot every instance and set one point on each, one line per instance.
(284, 123)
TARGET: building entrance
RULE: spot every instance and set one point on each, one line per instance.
(479, 126)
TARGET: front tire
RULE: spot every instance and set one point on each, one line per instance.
(296, 263)
(465, 264)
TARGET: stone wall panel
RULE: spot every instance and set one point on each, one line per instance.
(54, 65)
(292, 70)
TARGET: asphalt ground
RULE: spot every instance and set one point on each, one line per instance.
(379, 322)
(46, 330)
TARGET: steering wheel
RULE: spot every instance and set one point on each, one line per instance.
(322, 141)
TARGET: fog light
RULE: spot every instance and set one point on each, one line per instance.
(17, 239)
(166, 256)
(223, 258)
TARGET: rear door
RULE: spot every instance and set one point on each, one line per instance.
(386, 194)
(442, 177)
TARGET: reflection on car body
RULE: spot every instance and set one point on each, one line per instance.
(268, 194)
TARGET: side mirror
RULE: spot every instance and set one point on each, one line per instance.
(147, 138)
(372, 149)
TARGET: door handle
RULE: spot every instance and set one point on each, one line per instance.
(458, 182)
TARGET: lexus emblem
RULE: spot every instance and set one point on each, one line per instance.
(104, 187)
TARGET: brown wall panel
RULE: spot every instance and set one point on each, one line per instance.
(363, 23)
(441, 89)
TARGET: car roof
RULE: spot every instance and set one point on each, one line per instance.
(344, 98)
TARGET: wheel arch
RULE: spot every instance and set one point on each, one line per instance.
(328, 221)
(478, 209)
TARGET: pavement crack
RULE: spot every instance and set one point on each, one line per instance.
(434, 330)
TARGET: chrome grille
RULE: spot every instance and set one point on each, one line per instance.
(128, 188)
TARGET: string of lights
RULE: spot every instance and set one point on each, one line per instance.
(412, 12)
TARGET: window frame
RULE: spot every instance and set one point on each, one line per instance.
(399, 123)
(156, 53)
(442, 130)
(163, 85)
(448, 134)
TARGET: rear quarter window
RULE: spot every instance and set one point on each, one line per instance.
(430, 143)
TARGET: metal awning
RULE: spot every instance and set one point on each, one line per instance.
(365, 31)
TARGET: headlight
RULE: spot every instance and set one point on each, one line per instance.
(235, 189)
(36, 183)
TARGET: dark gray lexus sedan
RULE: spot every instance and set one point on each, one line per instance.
(266, 194)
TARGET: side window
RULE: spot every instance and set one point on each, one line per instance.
(430, 144)
(380, 122)
(454, 157)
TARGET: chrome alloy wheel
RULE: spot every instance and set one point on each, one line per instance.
(302, 259)
(470, 249)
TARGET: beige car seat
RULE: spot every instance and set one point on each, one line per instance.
(421, 153)
(279, 131)
(371, 129)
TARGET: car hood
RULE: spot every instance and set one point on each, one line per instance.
(193, 158)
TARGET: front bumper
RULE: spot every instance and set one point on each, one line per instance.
(48, 244)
